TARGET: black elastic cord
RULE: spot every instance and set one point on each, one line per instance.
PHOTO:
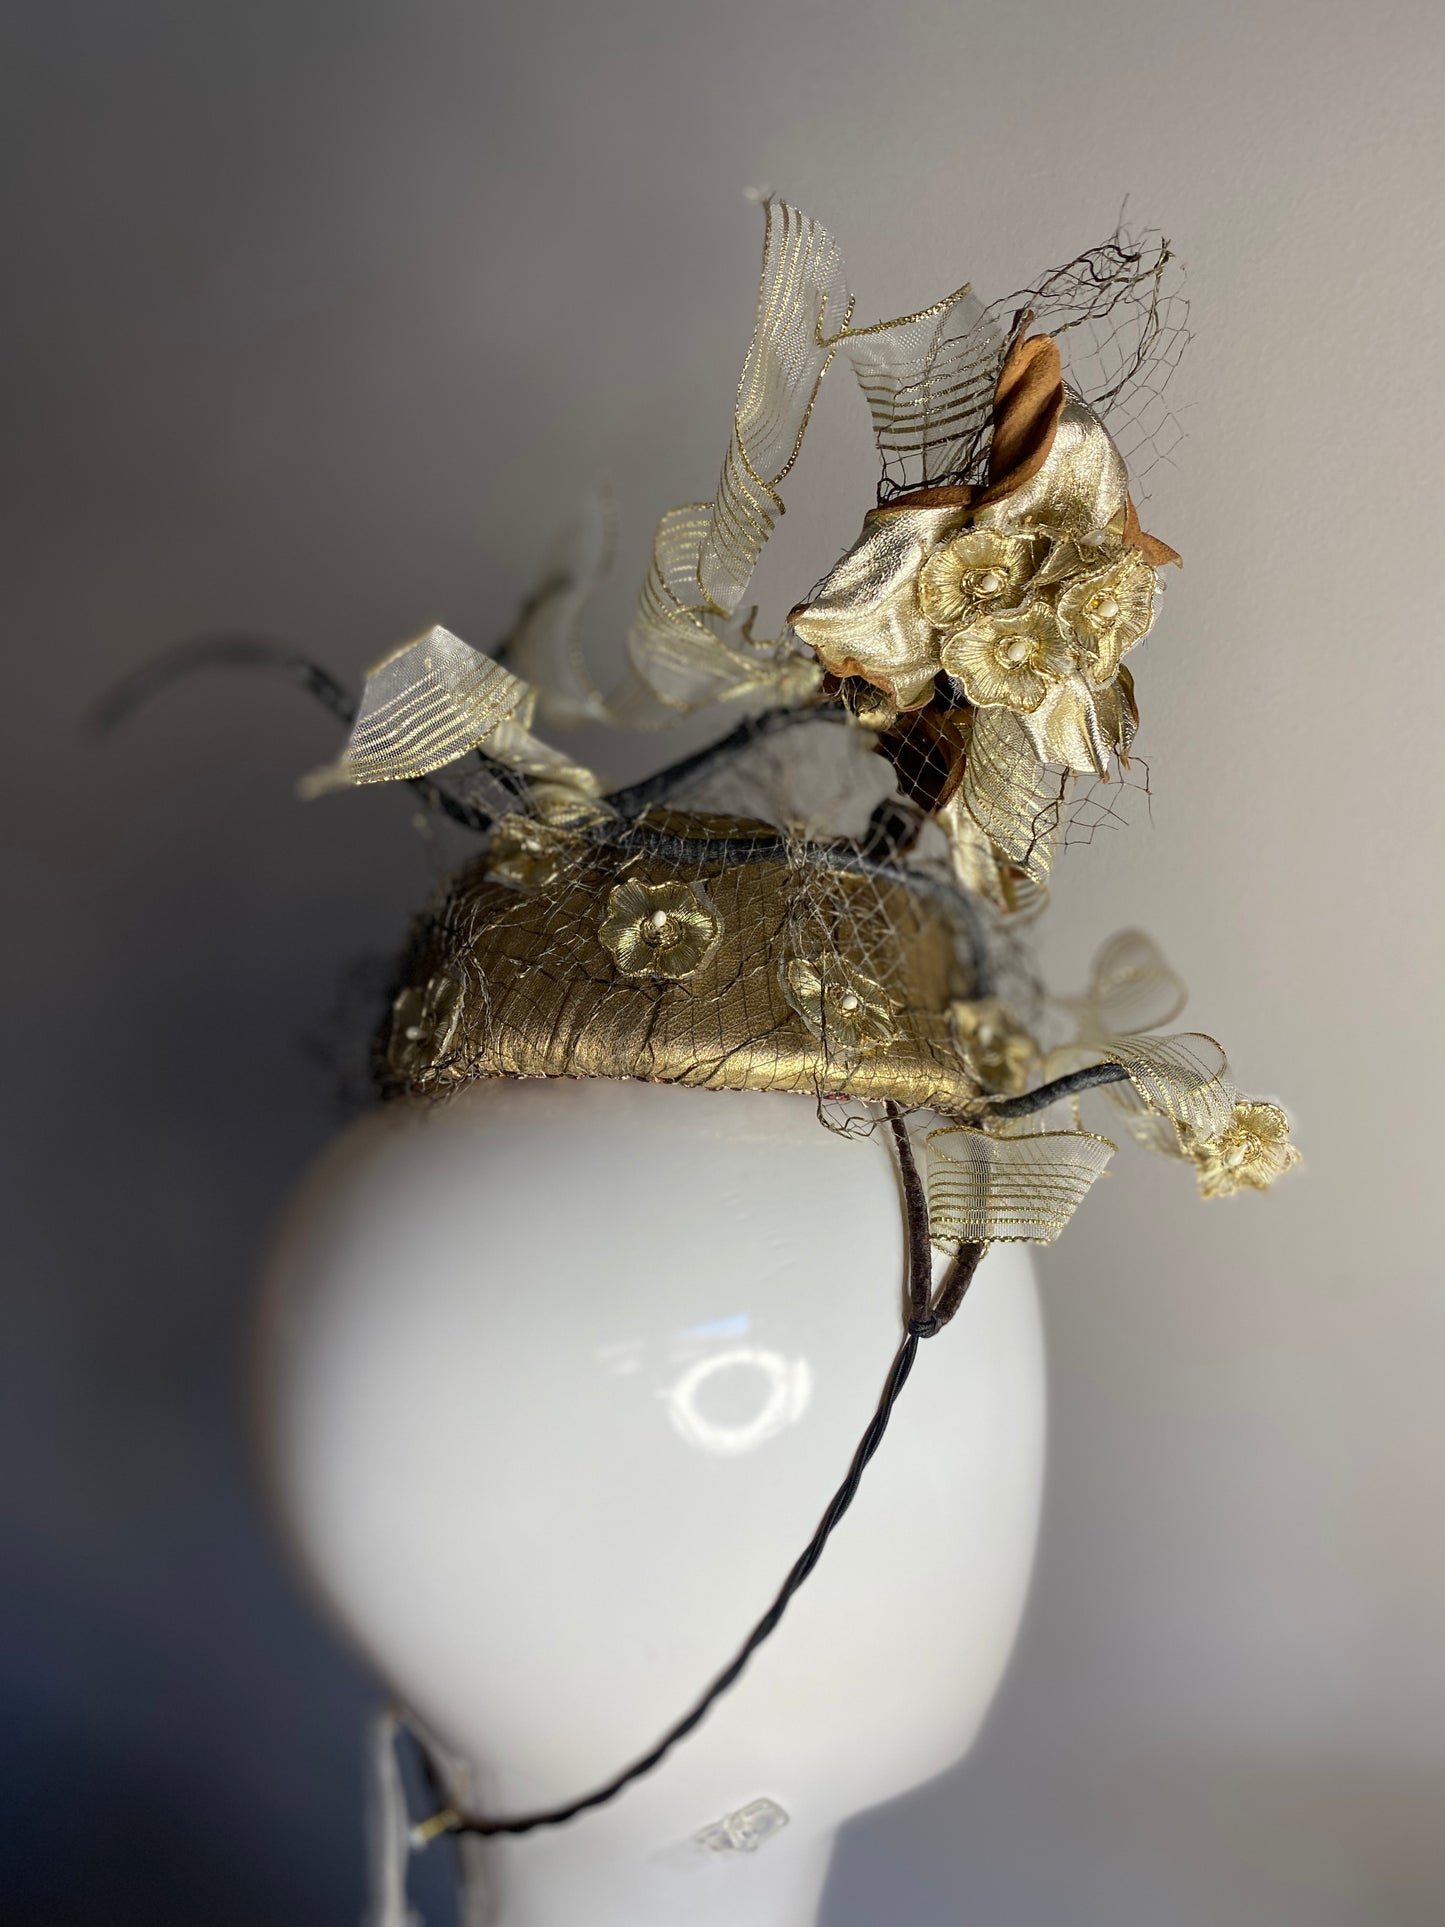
(767, 1625)
(926, 1317)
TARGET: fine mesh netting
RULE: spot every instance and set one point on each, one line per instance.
(1120, 318)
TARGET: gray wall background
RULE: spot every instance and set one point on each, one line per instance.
(316, 317)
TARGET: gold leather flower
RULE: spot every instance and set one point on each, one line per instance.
(1253, 1149)
(660, 930)
(424, 1023)
(848, 1011)
(1106, 611)
(1000, 1054)
(1008, 660)
(528, 856)
(978, 572)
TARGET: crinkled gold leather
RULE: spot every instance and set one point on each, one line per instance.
(815, 982)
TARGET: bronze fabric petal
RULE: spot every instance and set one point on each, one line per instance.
(1027, 404)
(1149, 546)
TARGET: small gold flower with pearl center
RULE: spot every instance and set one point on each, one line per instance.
(1107, 611)
(847, 1011)
(978, 571)
(660, 930)
(1008, 660)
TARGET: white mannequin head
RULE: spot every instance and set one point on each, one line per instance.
(557, 1379)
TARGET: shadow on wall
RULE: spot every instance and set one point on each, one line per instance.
(1178, 1841)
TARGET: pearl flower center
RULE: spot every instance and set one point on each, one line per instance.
(988, 583)
(1017, 652)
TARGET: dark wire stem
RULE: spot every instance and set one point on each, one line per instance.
(954, 1287)
(257, 652)
(219, 652)
(928, 1312)
(630, 802)
(260, 652)
(1088, 1079)
(921, 1321)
